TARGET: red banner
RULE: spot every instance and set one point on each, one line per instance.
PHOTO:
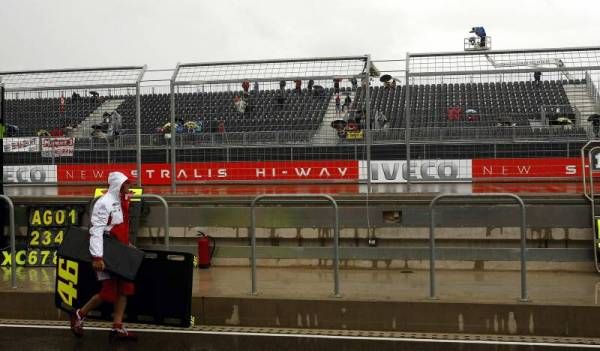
(547, 167)
(160, 173)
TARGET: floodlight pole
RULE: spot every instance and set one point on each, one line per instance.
(368, 117)
(407, 118)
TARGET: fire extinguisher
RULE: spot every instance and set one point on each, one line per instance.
(206, 249)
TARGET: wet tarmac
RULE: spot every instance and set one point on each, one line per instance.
(557, 288)
(50, 337)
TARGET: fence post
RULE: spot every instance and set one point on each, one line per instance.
(336, 236)
(432, 252)
(13, 249)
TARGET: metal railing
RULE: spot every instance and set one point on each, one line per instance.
(592, 197)
(434, 135)
(432, 252)
(13, 249)
(336, 235)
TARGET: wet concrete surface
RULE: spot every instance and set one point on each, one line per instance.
(563, 304)
(558, 288)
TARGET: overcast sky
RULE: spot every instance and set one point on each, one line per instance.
(38, 34)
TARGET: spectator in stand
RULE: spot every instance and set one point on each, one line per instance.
(57, 132)
(352, 126)
(256, 88)
(480, 32)
(75, 96)
(595, 119)
(537, 76)
(179, 126)
(318, 90)
(69, 130)
(221, 127)
(338, 109)
(347, 102)
(382, 121)
(311, 83)
(246, 86)
(471, 115)
(62, 104)
(298, 84)
(240, 104)
(11, 130)
(95, 95)
(280, 99)
(282, 85)
(43, 133)
(454, 113)
(336, 85)
(191, 127)
(354, 83)
(116, 123)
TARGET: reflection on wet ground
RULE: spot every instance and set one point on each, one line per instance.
(566, 288)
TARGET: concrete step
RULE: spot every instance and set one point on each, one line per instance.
(84, 129)
(582, 101)
(325, 132)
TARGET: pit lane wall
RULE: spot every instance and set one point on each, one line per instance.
(382, 171)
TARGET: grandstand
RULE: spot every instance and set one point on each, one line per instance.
(296, 112)
(502, 110)
(519, 102)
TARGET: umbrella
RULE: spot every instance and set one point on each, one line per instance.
(563, 120)
(593, 116)
(470, 111)
(11, 130)
(190, 125)
(384, 78)
(338, 124)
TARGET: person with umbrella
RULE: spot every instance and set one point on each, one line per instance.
(595, 119)
(339, 125)
(565, 122)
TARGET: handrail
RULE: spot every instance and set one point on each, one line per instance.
(592, 198)
(13, 249)
(583, 166)
(336, 235)
(166, 207)
(432, 204)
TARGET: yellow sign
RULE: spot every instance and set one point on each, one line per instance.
(29, 258)
(354, 135)
(53, 217)
(66, 284)
(46, 237)
(137, 193)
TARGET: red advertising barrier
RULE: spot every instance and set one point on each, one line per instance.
(547, 167)
(160, 173)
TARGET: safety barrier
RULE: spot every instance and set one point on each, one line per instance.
(336, 235)
(432, 252)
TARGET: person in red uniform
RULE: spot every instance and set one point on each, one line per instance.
(110, 216)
